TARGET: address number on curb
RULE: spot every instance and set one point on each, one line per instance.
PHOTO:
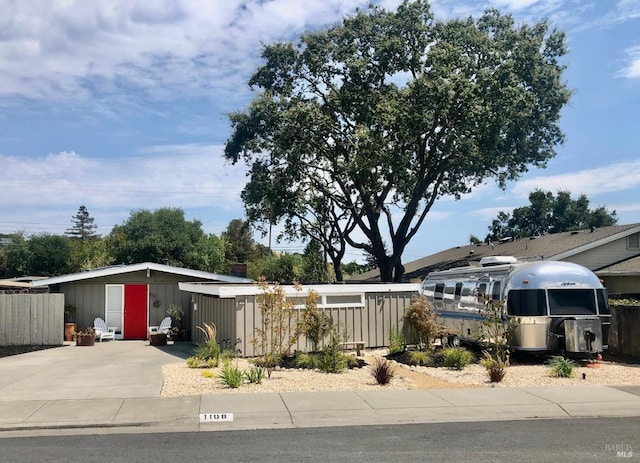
(215, 417)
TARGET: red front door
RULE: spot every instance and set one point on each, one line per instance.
(135, 311)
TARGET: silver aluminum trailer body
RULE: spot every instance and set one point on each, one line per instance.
(556, 307)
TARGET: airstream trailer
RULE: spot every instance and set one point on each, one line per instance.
(555, 307)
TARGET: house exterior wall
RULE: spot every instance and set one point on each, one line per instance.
(237, 319)
(604, 255)
(88, 296)
(622, 285)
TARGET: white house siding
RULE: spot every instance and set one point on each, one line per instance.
(604, 255)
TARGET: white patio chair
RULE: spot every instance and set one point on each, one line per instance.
(164, 327)
(102, 331)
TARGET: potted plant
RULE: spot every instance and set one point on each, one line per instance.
(158, 339)
(69, 322)
(86, 337)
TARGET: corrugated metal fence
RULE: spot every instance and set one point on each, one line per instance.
(31, 319)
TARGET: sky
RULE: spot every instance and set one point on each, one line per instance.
(121, 105)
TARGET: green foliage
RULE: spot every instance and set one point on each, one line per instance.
(496, 330)
(625, 302)
(305, 360)
(228, 354)
(338, 140)
(333, 359)
(208, 349)
(240, 245)
(419, 357)
(49, 255)
(255, 375)
(83, 226)
(231, 376)
(548, 214)
(382, 371)
(422, 319)
(396, 341)
(278, 330)
(457, 358)
(496, 369)
(195, 362)
(282, 268)
(163, 235)
(562, 367)
(315, 323)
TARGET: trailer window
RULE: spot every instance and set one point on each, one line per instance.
(572, 302)
(603, 302)
(495, 291)
(439, 292)
(526, 303)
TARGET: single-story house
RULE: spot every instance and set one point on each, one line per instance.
(363, 313)
(129, 297)
(612, 253)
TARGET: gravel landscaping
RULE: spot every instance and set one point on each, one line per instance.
(179, 380)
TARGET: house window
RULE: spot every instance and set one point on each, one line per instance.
(633, 241)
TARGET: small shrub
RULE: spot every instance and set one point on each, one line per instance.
(422, 318)
(208, 374)
(562, 367)
(255, 375)
(419, 357)
(396, 341)
(333, 359)
(496, 369)
(209, 348)
(382, 370)
(352, 361)
(304, 360)
(195, 362)
(457, 358)
(231, 376)
(228, 354)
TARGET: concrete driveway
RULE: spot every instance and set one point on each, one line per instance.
(111, 369)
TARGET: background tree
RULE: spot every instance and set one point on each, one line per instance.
(240, 245)
(381, 114)
(314, 267)
(49, 255)
(549, 214)
(18, 256)
(283, 268)
(162, 236)
(83, 226)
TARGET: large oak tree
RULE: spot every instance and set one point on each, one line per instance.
(355, 131)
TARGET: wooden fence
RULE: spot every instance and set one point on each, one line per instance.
(31, 319)
(625, 326)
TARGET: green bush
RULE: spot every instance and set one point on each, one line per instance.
(255, 375)
(382, 371)
(195, 362)
(333, 359)
(305, 360)
(457, 358)
(208, 349)
(419, 357)
(562, 367)
(396, 341)
(231, 376)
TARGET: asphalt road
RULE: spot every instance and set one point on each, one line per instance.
(567, 440)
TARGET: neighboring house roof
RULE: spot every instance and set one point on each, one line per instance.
(556, 246)
(121, 269)
(629, 267)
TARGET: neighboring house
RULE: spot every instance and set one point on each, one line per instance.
(362, 313)
(613, 253)
(129, 297)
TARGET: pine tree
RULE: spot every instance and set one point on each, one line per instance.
(83, 226)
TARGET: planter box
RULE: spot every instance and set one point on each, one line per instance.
(159, 339)
(69, 329)
(86, 340)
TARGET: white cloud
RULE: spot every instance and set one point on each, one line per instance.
(75, 50)
(613, 177)
(632, 68)
(186, 176)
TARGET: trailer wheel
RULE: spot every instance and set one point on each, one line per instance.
(454, 341)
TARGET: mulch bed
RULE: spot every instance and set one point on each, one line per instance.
(6, 351)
